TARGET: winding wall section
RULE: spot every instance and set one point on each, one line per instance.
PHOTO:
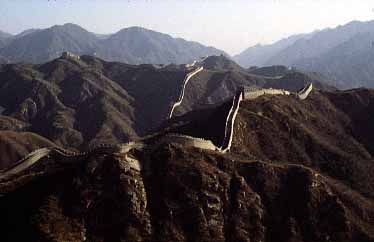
(180, 99)
(188, 141)
(230, 121)
(304, 93)
(69, 157)
(37, 155)
(251, 94)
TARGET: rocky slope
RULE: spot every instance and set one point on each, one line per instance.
(330, 131)
(320, 132)
(181, 194)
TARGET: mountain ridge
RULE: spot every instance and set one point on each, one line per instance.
(133, 45)
(342, 54)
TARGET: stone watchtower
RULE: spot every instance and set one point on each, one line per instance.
(69, 56)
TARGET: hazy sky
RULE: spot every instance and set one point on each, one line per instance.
(231, 25)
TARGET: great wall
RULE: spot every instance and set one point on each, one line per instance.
(244, 93)
(230, 121)
(188, 141)
(252, 93)
(71, 157)
(304, 93)
(181, 95)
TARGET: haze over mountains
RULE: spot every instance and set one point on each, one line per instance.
(133, 45)
(343, 54)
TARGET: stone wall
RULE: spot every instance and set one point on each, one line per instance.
(230, 121)
(68, 157)
(247, 94)
(252, 94)
(180, 99)
(304, 93)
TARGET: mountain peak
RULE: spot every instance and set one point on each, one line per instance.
(68, 27)
(220, 62)
(133, 45)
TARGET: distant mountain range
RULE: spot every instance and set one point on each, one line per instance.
(344, 54)
(133, 45)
